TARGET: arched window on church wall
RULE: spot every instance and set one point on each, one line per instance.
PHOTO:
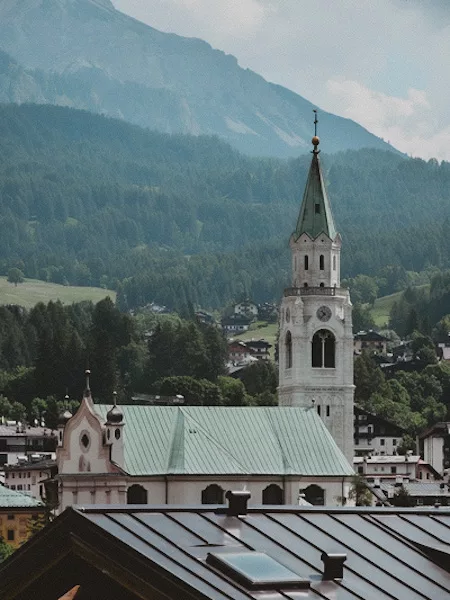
(212, 494)
(136, 494)
(322, 262)
(273, 494)
(315, 495)
(334, 263)
(306, 262)
(288, 350)
(324, 349)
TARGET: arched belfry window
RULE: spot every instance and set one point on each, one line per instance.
(273, 494)
(334, 263)
(322, 262)
(324, 349)
(306, 262)
(288, 350)
(212, 494)
(136, 494)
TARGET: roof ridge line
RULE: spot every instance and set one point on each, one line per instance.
(214, 441)
(177, 437)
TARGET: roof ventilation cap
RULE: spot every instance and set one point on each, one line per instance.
(333, 565)
(237, 502)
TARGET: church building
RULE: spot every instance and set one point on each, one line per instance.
(137, 454)
(299, 451)
(316, 337)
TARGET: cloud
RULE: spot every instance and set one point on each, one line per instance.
(407, 123)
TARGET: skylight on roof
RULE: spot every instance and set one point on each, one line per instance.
(256, 570)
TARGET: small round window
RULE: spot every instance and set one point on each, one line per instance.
(85, 441)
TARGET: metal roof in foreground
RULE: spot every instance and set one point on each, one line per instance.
(268, 553)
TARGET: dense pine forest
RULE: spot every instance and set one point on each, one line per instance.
(44, 352)
(178, 219)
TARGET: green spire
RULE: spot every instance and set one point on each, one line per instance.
(315, 214)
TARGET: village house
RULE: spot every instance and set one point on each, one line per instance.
(420, 493)
(235, 324)
(246, 308)
(394, 468)
(370, 341)
(260, 349)
(19, 441)
(375, 435)
(30, 476)
(434, 446)
(17, 510)
(238, 352)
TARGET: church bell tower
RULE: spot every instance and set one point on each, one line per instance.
(316, 337)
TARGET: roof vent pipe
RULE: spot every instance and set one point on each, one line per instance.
(333, 565)
(237, 503)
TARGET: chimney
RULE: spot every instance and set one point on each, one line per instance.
(333, 565)
(237, 503)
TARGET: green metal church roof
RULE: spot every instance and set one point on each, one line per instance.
(315, 214)
(12, 499)
(211, 440)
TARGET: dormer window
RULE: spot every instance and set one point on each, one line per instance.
(317, 209)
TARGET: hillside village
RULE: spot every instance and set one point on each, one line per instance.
(316, 448)
(44, 463)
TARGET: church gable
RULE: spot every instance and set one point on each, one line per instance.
(83, 449)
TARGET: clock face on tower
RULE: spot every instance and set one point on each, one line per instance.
(324, 313)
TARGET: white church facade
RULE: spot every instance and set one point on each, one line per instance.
(316, 337)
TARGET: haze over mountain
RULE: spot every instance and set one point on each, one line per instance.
(86, 54)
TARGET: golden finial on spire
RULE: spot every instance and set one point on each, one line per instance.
(315, 140)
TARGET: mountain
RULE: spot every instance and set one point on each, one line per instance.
(86, 54)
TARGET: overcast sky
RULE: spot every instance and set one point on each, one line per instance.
(384, 63)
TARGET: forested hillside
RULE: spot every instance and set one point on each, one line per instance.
(92, 201)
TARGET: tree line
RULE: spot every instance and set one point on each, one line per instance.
(45, 351)
(88, 200)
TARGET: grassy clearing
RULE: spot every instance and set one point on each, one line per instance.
(261, 330)
(382, 308)
(32, 291)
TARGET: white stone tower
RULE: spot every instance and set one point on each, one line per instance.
(316, 338)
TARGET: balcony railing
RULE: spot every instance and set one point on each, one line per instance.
(310, 291)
